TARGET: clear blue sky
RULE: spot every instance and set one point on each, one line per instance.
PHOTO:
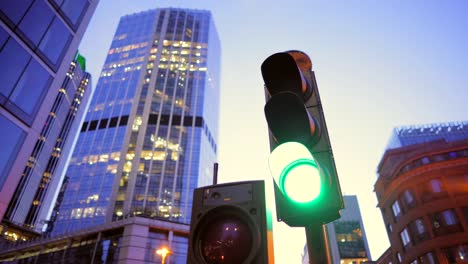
(379, 64)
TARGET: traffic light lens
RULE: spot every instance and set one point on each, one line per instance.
(228, 240)
(300, 181)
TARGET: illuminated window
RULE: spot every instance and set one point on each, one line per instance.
(436, 185)
(396, 209)
(405, 238)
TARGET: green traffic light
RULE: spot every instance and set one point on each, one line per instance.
(296, 172)
(300, 180)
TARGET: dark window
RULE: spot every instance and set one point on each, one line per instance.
(14, 9)
(458, 254)
(188, 121)
(11, 140)
(13, 60)
(36, 21)
(85, 125)
(123, 120)
(113, 122)
(31, 87)
(198, 121)
(419, 230)
(103, 123)
(54, 42)
(74, 10)
(93, 125)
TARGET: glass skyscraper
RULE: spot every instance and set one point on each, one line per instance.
(38, 41)
(43, 173)
(150, 135)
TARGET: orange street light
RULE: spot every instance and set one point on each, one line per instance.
(163, 252)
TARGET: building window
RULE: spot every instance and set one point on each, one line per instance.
(428, 258)
(15, 11)
(436, 185)
(446, 222)
(35, 22)
(405, 238)
(11, 140)
(450, 218)
(13, 60)
(399, 257)
(396, 209)
(458, 254)
(30, 88)
(419, 230)
(54, 42)
(408, 199)
(420, 226)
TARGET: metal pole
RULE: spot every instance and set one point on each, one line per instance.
(215, 173)
(317, 244)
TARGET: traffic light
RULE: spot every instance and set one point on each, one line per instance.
(306, 184)
(230, 225)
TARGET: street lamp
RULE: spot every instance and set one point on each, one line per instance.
(163, 252)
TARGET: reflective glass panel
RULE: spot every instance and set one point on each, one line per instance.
(14, 9)
(11, 139)
(54, 42)
(36, 21)
(30, 88)
(74, 9)
(13, 59)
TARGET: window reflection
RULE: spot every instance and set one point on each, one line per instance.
(54, 42)
(11, 140)
(36, 21)
(31, 87)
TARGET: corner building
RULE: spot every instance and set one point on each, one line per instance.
(422, 192)
(150, 135)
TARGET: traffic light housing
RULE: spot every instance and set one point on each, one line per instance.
(230, 224)
(306, 184)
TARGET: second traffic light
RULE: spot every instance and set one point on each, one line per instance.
(306, 185)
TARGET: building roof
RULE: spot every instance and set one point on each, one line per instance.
(416, 134)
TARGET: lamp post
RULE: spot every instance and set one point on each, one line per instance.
(163, 252)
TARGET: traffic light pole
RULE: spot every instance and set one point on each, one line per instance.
(317, 244)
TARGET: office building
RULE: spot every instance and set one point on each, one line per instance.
(422, 192)
(43, 174)
(38, 40)
(150, 134)
(346, 236)
(118, 242)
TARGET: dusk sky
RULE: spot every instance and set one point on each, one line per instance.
(378, 64)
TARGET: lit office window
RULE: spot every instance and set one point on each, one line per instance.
(436, 185)
(449, 217)
(396, 208)
(405, 238)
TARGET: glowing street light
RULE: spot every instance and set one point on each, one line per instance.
(163, 252)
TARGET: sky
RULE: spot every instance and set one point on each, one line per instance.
(378, 65)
